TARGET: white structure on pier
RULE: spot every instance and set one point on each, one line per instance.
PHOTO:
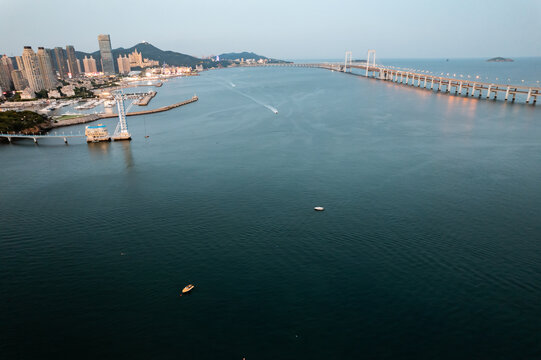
(121, 132)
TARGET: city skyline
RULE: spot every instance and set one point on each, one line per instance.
(305, 30)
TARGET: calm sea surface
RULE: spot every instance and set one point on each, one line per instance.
(429, 247)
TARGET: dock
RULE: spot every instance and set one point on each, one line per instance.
(146, 99)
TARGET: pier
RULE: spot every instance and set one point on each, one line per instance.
(146, 99)
(36, 137)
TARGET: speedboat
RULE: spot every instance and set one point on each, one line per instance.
(187, 288)
(319, 208)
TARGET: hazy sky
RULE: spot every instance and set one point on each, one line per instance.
(292, 29)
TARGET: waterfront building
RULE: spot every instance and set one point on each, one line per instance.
(89, 64)
(54, 94)
(107, 63)
(46, 68)
(6, 67)
(124, 66)
(19, 81)
(28, 94)
(79, 67)
(68, 90)
(32, 70)
(136, 60)
(20, 63)
(61, 64)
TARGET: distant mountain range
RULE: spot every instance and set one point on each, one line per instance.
(247, 55)
(151, 52)
(500, 59)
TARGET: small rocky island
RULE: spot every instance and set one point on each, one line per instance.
(500, 59)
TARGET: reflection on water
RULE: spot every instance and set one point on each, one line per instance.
(126, 149)
(99, 150)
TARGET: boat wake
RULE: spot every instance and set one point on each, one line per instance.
(271, 108)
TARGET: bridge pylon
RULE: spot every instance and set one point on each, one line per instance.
(348, 61)
(370, 52)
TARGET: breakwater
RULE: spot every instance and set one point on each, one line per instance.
(93, 117)
(160, 109)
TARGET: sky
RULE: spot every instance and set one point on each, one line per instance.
(284, 29)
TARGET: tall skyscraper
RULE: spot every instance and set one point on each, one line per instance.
(107, 62)
(46, 68)
(32, 69)
(19, 81)
(61, 64)
(89, 64)
(123, 64)
(72, 61)
(6, 67)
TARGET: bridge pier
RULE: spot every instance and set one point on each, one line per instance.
(488, 91)
(439, 86)
(432, 85)
(529, 96)
(65, 140)
(507, 93)
(514, 94)
(35, 140)
(460, 88)
(473, 90)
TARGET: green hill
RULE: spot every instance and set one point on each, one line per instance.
(151, 52)
(248, 55)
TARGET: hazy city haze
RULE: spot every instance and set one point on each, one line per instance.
(281, 29)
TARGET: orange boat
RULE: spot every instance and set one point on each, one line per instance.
(187, 289)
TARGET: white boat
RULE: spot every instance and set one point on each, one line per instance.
(109, 103)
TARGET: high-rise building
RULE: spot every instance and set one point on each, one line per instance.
(61, 64)
(136, 60)
(19, 81)
(32, 70)
(20, 64)
(107, 62)
(123, 64)
(79, 66)
(46, 68)
(72, 61)
(6, 67)
(89, 64)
